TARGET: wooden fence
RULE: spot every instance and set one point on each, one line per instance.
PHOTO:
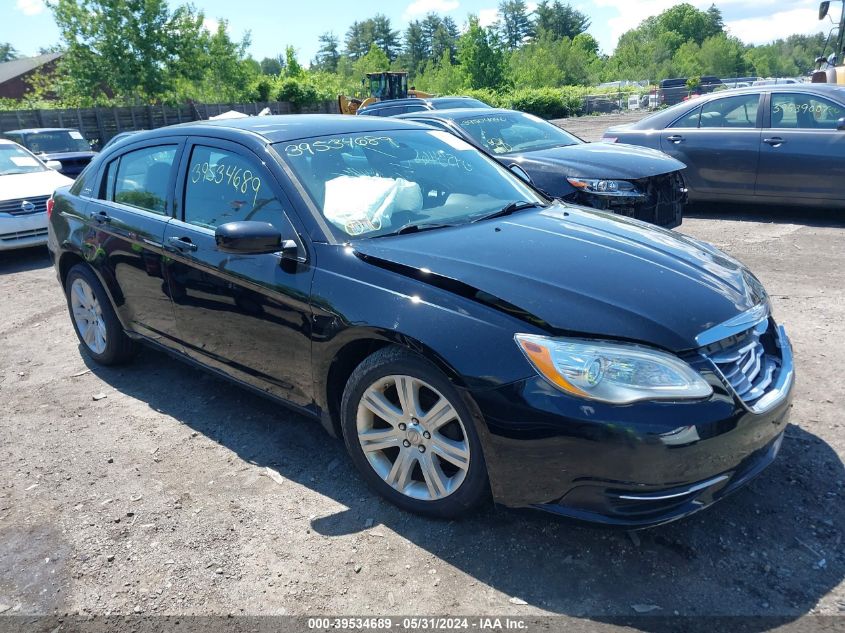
(98, 125)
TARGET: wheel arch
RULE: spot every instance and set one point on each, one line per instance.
(69, 258)
(337, 366)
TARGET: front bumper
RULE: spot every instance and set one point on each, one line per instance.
(661, 202)
(22, 231)
(636, 465)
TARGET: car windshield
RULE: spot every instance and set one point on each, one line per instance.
(509, 132)
(16, 160)
(370, 184)
(56, 141)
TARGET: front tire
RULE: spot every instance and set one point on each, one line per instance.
(94, 320)
(411, 435)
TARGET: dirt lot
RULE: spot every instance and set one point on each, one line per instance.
(158, 489)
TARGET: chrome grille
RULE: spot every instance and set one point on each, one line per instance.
(749, 361)
(37, 204)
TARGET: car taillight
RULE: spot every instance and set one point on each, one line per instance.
(50, 203)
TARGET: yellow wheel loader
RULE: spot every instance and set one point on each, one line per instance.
(831, 69)
(382, 86)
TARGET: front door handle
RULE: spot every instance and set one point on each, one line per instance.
(182, 244)
(100, 217)
(675, 138)
(775, 141)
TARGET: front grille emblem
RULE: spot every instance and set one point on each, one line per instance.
(27, 206)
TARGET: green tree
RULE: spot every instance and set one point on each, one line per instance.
(272, 65)
(328, 54)
(416, 51)
(142, 50)
(375, 60)
(441, 76)
(514, 26)
(482, 62)
(561, 20)
(292, 66)
(7, 52)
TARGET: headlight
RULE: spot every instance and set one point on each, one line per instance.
(612, 372)
(602, 187)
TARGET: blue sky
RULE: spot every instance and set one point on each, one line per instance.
(28, 24)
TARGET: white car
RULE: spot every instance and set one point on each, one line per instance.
(26, 183)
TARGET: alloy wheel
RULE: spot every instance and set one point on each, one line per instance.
(88, 316)
(413, 437)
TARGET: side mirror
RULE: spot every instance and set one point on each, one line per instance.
(519, 171)
(55, 165)
(824, 7)
(248, 237)
(840, 124)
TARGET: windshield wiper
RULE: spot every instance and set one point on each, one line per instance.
(513, 207)
(414, 227)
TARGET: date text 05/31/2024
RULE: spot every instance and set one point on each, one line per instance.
(417, 623)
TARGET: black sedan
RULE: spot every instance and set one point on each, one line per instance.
(779, 144)
(627, 180)
(462, 333)
(65, 145)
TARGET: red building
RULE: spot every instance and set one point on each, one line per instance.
(14, 75)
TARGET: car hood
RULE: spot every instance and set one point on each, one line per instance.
(599, 160)
(571, 271)
(39, 183)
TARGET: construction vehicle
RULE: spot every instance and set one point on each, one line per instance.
(382, 86)
(831, 69)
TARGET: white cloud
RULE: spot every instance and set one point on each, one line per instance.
(421, 7)
(488, 17)
(31, 7)
(210, 25)
(764, 29)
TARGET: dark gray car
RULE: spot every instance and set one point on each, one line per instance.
(624, 179)
(768, 144)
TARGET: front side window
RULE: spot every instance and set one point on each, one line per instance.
(16, 160)
(223, 186)
(140, 178)
(802, 111)
(376, 183)
(731, 112)
(688, 120)
(509, 132)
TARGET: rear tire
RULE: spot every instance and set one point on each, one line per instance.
(94, 320)
(412, 437)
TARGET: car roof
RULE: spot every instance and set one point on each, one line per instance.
(35, 130)
(453, 114)
(285, 127)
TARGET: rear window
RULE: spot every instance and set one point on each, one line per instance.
(56, 141)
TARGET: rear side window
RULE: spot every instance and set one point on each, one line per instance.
(140, 179)
(732, 112)
(802, 111)
(223, 186)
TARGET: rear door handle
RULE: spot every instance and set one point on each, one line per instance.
(182, 244)
(675, 138)
(774, 141)
(100, 217)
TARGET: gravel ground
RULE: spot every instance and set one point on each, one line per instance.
(158, 489)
